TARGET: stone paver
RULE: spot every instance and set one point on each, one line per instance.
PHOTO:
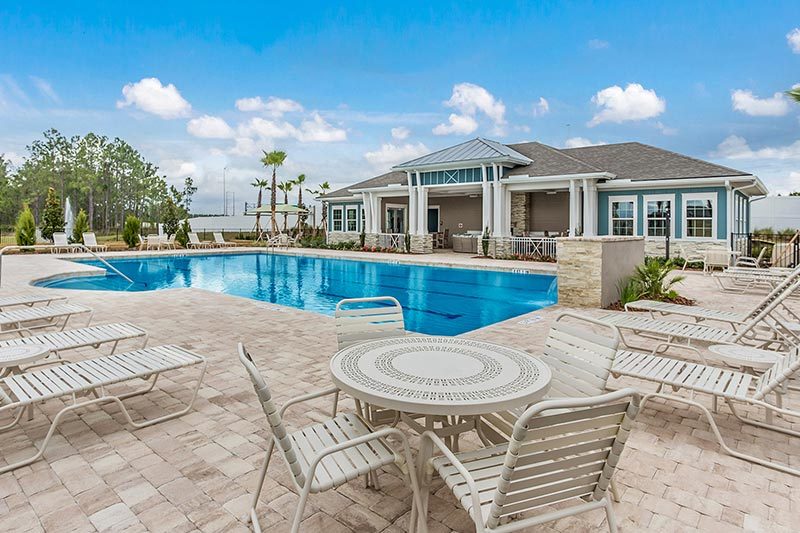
(197, 473)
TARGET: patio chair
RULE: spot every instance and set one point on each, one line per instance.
(219, 240)
(169, 242)
(60, 243)
(154, 241)
(766, 329)
(90, 241)
(732, 386)
(73, 339)
(29, 299)
(325, 455)
(696, 257)
(565, 458)
(195, 242)
(716, 258)
(76, 381)
(281, 240)
(367, 319)
(24, 320)
(752, 262)
(701, 314)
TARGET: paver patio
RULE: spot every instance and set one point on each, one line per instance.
(196, 473)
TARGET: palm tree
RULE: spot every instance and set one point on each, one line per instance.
(286, 187)
(299, 181)
(322, 190)
(794, 93)
(273, 159)
(260, 184)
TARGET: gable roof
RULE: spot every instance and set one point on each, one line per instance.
(548, 161)
(477, 149)
(636, 161)
(395, 177)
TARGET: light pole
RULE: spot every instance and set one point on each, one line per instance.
(224, 194)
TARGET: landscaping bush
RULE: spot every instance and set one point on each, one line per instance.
(182, 234)
(630, 291)
(25, 229)
(652, 279)
(170, 217)
(81, 226)
(130, 233)
(53, 216)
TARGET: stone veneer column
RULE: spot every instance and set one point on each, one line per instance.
(591, 269)
(371, 239)
(519, 212)
(422, 244)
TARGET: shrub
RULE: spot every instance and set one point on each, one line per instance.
(629, 291)
(25, 229)
(651, 277)
(170, 217)
(485, 242)
(182, 234)
(81, 226)
(130, 232)
(53, 216)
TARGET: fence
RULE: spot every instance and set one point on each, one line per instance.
(395, 241)
(533, 247)
(780, 249)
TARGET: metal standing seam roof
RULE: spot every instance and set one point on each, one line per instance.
(472, 150)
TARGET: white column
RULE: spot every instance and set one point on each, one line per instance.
(506, 212)
(498, 211)
(412, 206)
(486, 190)
(589, 208)
(366, 205)
(573, 212)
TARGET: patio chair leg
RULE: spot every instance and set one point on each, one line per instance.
(612, 487)
(610, 517)
(301, 506)
(253, 515)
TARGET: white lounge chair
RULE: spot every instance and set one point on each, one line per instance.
(701, 314)
(281, 240)
(366, 319)
(219, 240)
(752, 262)
(327, 454)
(734, 387)
(738, 279)
(717, 258)
(94, 336)
(565, 458)
(195, 242)
(42, 316)
(90, 241)
(29, 299)
(77, 380)
(60, 243)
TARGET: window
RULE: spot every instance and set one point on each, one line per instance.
(336, 218)
(623, 215)
(657, 209)
(352, 218)
(699, 216)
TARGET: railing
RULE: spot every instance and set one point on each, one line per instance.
(782, 249)
(50, 247)
(533, 247)
(396, 241)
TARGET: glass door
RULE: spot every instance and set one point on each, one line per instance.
(395, 220)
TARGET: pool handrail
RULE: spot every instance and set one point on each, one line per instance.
(50, 246)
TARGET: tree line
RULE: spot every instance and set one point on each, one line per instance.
(108, 178)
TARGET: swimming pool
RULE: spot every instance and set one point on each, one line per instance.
(436, 300)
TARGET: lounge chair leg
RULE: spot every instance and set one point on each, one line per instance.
(16, 420)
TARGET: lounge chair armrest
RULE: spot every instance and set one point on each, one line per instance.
(468, 479)
(309, 396)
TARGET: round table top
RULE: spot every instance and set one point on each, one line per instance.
(440, 375)
(18, 355)
(745, 356)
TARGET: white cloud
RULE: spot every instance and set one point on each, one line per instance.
(666, 130)
(401, 132)
(46, 89)
(149, 95)
(318, 130)
(315, 129)
(632, 103)
(390, 154)
(470, 99)
(267, 129)
(13, 88)
(580, 142)
(247, 147)
(209, 127)
(14, 158)
(746, 102)
(542, 107)
(177, 168)
(274, 106)
(736, 147)
(793, 39)
(598, 44)
(458, 124)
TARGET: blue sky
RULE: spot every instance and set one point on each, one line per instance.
(350, 90)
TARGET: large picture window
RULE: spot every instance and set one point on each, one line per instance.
(336, 218)
(657, 211)
(699, 211)
(623, 215)
(352, 218)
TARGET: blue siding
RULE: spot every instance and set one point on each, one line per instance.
(721, 214)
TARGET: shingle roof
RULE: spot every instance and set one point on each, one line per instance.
(548, 161)
(395, 177)
(637, 161)
(473, 150)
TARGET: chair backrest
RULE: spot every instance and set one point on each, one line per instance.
(60, 239)
(218, 238)
(89, 238)
(580, 358)
(279, 433)
(193, 238)
(766, 316)
(785, 368)
(365, 319)
(153, 238)
(556, 457)
(785, 285)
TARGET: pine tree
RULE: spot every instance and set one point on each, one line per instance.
(53, 216)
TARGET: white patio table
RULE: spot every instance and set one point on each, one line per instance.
(449, 380)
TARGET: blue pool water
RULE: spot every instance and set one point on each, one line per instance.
(436, 300)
